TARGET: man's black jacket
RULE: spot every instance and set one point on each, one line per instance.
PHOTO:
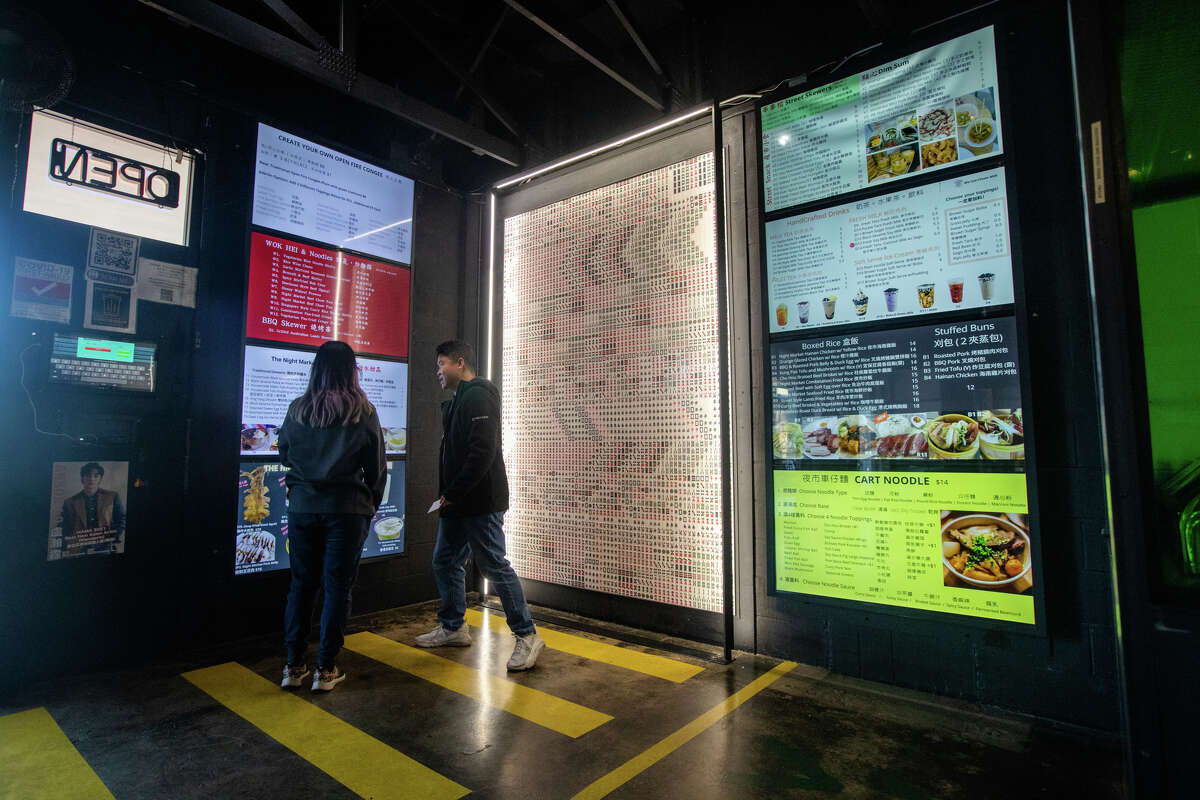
(472, 475)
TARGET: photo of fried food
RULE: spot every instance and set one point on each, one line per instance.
(256, 503)
(943, 152)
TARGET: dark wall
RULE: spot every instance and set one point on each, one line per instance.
(173, 588)
(1069, 674)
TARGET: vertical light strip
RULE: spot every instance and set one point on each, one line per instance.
(491, 315)
(337, 297)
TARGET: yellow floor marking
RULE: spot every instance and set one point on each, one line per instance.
(546, 710)
(647, 663)
(646, 759)
(40, 761)
(361, 763)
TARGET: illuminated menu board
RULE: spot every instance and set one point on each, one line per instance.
(921, 251)
(300, 294)
(311, 191)
(273, 377)
(897, 400)
(261, 535)
(927, 111)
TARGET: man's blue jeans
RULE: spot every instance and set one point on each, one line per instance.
(325, 550)
(483, 536)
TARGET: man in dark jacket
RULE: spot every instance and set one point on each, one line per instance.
(474, 489)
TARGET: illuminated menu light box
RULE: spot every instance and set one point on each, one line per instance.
(924, 251)
(308, 190)
(898, 438)
(927, 111)
(307, 295)
(261, 542)
(273, 377)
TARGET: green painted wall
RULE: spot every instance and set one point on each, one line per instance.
(1167, 237)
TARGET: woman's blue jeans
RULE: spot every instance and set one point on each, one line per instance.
(325, 549)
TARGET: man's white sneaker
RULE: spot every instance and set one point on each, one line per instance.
(293, 676)
(326, 679)
(526, 652)
(440, 637)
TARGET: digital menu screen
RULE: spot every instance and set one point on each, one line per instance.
(899, 428)
(937, 541)
(273, 377)
(926, 111)
(947, 392)
(920, 251)
(262, 536)
(305, 189)
(306, 295)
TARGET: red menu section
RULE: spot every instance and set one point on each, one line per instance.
(302, 294)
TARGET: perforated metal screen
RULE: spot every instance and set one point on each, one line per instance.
(610, 380)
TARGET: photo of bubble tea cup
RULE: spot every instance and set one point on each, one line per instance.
(925, 295)
(802, 312)
(781, 315)
(889, 298)
(830, 304)
(956, 290)
(987, 286)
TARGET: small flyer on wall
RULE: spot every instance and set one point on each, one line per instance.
(160, 282)
(262, 543)
(110, 308)
(923, 112)
(87, 508)
(42, 290)
(937, 541)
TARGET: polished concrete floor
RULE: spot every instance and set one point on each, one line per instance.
(596, 718)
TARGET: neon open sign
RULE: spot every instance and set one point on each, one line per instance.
(81, 165)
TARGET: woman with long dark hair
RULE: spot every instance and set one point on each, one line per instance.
(334, 450)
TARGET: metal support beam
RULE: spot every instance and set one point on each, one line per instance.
(483, 48)
(225, 24)
(633, 34)
(348, 26)
(489, 101)
(584, 54)
(296, 22)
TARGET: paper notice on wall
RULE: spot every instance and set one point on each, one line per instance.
(42, 290)
(160, 282)
(110, 308)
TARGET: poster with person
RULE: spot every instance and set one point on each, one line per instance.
(87, 508)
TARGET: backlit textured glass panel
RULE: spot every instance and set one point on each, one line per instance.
(611, 428)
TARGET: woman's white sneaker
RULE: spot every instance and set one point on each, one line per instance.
(326, 679)
(293, 676)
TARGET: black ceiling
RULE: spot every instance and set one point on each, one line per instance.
(488, 64)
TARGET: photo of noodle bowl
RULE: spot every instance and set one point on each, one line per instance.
(389, 529)
(986, 551)
(254, 547)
